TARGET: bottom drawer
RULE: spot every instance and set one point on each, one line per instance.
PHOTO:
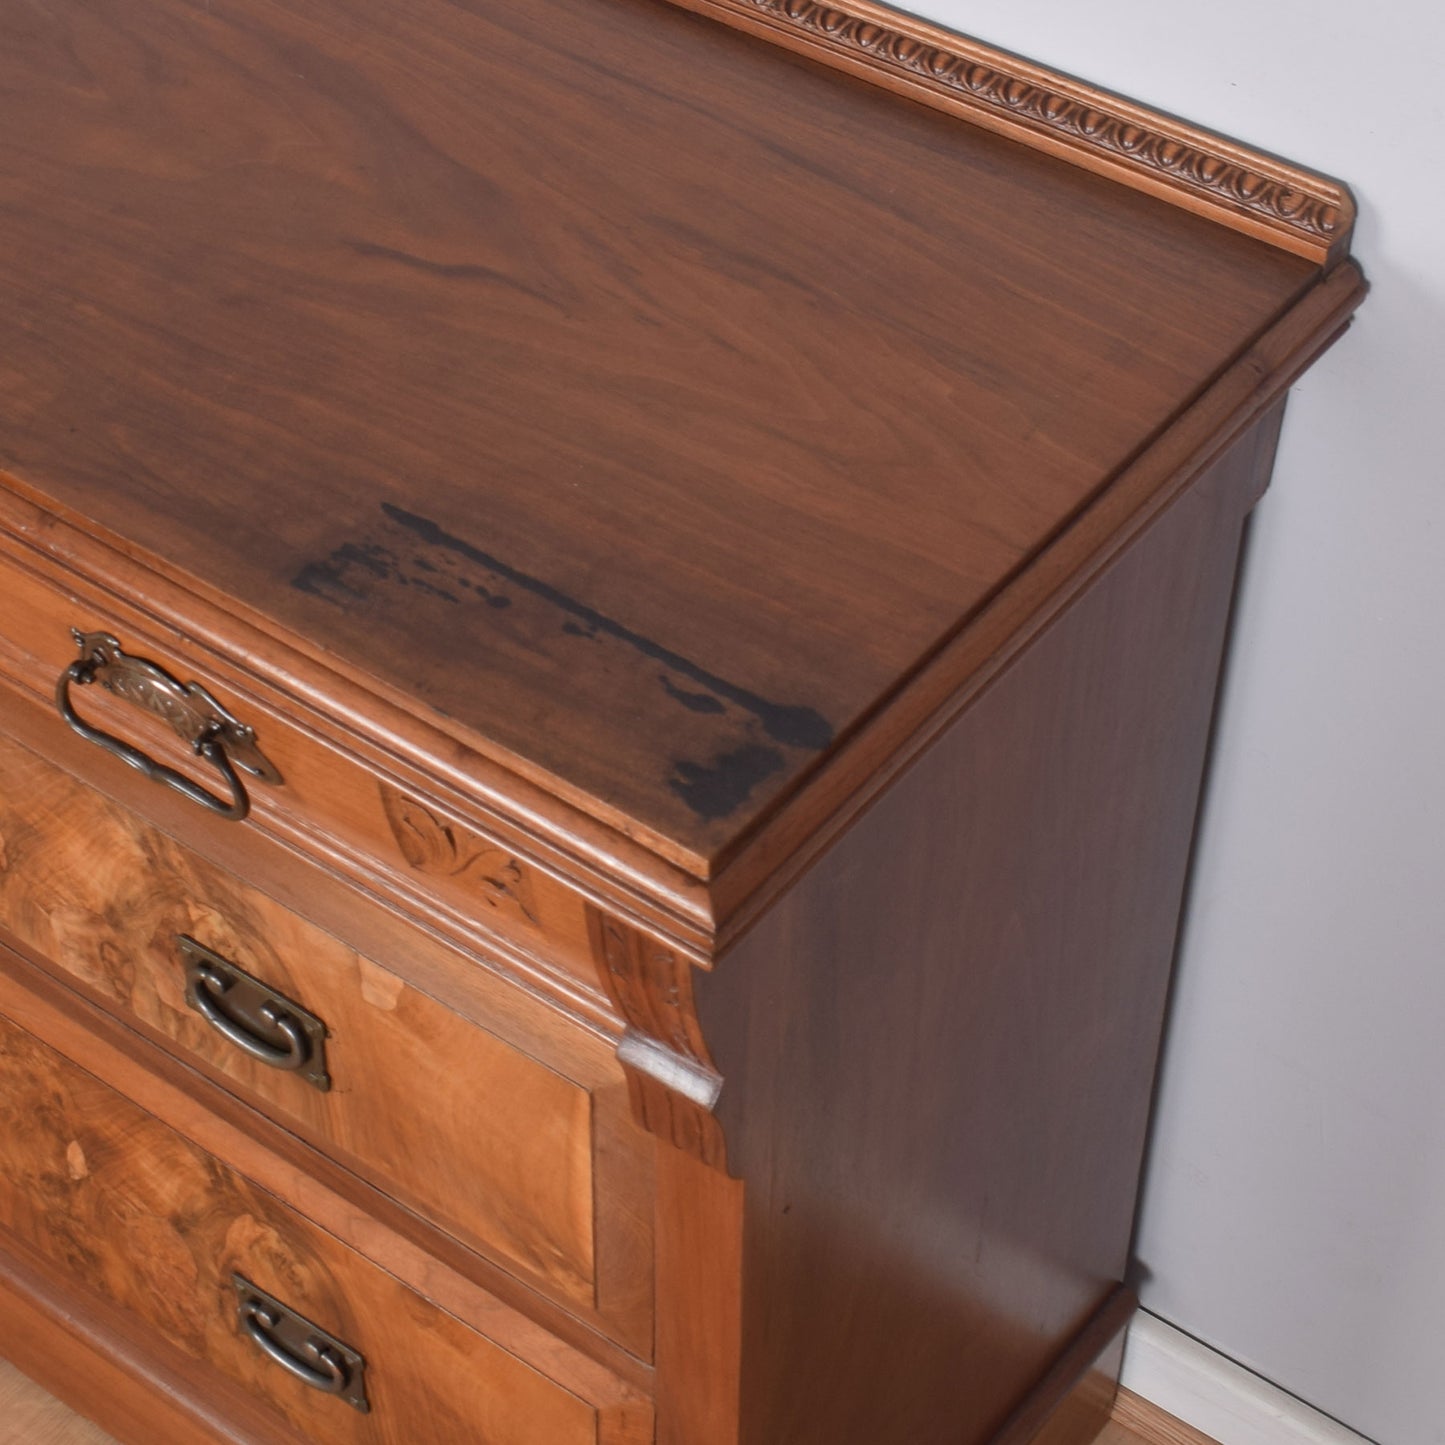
(211, 1264)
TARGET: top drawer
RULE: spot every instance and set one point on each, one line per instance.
(535, 1165)
(339, 798)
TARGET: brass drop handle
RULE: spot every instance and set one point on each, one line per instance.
(301, 1348)
(210, 985)
(257, 1019)
(328, 1374)
(210, 731)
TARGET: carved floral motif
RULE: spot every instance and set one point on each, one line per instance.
(442, 849)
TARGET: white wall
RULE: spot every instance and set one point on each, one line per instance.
(1294, 1213)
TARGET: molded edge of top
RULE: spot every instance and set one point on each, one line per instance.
(702, 907)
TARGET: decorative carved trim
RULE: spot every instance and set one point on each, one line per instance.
(671, 1079)
(1305, 212)
(433, 845)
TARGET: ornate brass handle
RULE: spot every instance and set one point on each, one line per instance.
(210, 731)
(300, 1347)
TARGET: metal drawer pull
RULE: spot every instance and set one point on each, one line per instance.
(200, 721)
(300, 1347)
(256, 1018)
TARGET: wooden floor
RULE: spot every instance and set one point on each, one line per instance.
(1137, 1422)
(28, 1416)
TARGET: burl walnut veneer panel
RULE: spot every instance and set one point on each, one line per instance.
(109, 1197)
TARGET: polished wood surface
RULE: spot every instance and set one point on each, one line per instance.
(1234, 184)
(416, 1092)
(526, 1324)
(351, 742)
(105, 1193)
(937, 1050)
(473, 882)
(732, 568)
(521, 339)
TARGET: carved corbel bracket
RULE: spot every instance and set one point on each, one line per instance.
(671, 1078)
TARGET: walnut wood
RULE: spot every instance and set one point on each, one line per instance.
(416, 1097)
(1147, 149)
(35, 1418)
(486, 1298)
(670, 1075)
(700, 1296)
(601, 865)
(94, 1356)
(727, 532)
(369, 740)
(443, 867)
(510, 993)
(155, 1227)
(928, 703)
(936, 1049)
(322, 339)
(1074, 1399)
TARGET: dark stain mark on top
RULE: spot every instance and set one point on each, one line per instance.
(693, 701)
(795, 727)
(717, 790)
(332, 578)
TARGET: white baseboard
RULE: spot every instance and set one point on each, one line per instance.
(1224, 1400)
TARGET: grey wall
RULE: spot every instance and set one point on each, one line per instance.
(1294, 1213)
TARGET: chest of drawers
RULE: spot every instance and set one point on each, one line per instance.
(662, 572)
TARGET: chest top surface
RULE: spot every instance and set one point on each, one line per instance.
(645, 400)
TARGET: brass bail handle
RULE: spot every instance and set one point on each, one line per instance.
(197, 718)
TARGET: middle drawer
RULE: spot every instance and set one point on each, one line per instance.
(499, 1149)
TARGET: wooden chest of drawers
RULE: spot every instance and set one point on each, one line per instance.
(662, 571)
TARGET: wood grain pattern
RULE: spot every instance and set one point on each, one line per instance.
(336, 816)
(700, 1283)
(1236, 184)
(417, 1096)
(670, 1075)
(91, 1355)
(335, 803)
(155, 1227)
(937, 1048)
(732, 566)
(1140, 1422)
(490, 1301)
(1244, 395)
(334, 296)
(28, 1416)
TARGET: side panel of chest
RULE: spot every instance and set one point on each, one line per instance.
(937, 1050)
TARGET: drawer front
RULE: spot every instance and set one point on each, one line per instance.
(329, 801)
(498, 1149)
(160, 1230)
